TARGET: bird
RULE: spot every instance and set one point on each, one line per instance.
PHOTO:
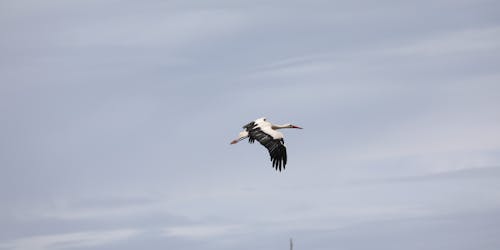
(266, 133)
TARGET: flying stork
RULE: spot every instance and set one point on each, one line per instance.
(266, 133)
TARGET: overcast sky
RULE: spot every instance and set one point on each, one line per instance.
(116, 118)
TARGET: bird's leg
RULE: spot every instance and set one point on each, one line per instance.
(237, 140)
(241, 136)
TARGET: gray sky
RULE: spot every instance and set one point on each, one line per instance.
(116, 118)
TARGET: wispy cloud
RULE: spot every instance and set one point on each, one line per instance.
(69, 240)
(169, 30)
(201, 231)
(453, 42)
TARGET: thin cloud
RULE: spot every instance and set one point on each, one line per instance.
(169, 30)
(455, 42)
(201, 231)
(70, 240)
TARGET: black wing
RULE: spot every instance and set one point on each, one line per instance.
(277, 151)
(276, 147)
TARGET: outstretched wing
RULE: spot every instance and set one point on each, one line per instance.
(276, 147)
(277, 151)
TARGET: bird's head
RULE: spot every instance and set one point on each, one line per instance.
(293, 126)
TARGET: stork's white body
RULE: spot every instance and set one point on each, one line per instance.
(267, 128)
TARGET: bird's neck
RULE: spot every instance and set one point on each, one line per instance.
(280, 126)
